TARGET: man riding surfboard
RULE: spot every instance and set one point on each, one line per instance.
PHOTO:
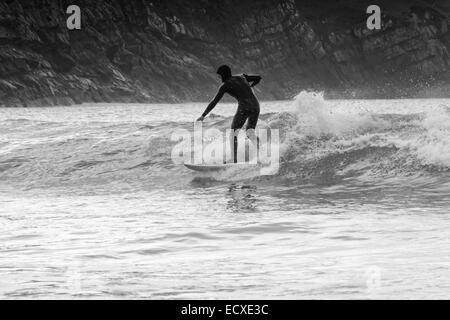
(239, 87)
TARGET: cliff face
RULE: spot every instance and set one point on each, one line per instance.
(168, 50)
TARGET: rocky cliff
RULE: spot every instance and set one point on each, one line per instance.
(168, 50)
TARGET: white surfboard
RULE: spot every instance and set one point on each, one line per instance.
(218, 167)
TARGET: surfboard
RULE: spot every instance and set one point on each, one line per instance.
(218, 167)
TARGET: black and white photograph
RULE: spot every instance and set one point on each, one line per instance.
(218, 150)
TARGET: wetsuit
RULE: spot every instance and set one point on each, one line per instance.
(240, 87)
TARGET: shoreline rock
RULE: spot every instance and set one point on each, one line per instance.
(168, 51)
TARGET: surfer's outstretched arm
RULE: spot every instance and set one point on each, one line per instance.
(253, 79)
(213, 103)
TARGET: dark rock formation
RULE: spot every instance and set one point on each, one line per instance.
(168, 50)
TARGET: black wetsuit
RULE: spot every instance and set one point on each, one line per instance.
(240, 88)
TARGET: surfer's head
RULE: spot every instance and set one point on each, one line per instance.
(225, 72)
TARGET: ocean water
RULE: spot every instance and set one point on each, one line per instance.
(92, 205)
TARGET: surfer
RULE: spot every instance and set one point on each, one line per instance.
(239, 87)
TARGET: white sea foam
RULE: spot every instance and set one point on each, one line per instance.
(90, 201)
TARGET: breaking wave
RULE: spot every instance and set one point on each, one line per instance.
(321, 140)
(320, 143)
